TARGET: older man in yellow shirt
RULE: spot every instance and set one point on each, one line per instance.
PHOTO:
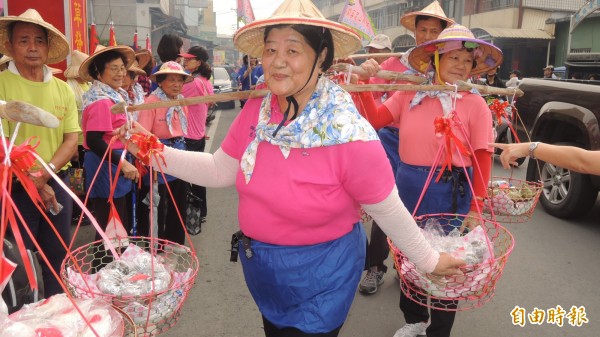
(32, 43)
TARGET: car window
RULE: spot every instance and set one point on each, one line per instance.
(220, 73)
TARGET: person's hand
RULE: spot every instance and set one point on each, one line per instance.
(448, 265)
(471, 221)
(48, 197)
(123, 132)
(130, 171)
(371, 67)
(39, 178)
(511, 152)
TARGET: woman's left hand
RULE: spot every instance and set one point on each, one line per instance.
(448, 265)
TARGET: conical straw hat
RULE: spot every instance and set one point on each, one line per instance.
(486, 54)
(77, 59)
(136, 68)
(170, 67)
(57, 42)
(84, 71)
(143, 57)
(434, 10)
(5, 59)
(250, 38)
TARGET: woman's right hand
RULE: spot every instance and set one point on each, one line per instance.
(130, 171)
(448, 265)
(371, 67)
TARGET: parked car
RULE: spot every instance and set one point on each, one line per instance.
(222, 84)
(565, 112)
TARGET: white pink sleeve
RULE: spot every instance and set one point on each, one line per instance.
(398, 224)
(201, 168)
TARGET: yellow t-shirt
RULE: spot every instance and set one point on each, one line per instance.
(54, 96)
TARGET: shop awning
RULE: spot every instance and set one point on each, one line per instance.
(487, 33)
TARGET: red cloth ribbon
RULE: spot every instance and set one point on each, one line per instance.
(499, 109)
(149, 145)
(22, 160)
(443, 128)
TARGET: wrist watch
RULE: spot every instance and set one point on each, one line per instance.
(532, 148)
(52, 167)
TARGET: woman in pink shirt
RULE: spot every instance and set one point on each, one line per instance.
(455, 55)
(170, 126)
(196, 62)
(302, 159)
(107, 68)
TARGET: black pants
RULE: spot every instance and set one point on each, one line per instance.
(198, 145)
(169, 224)
(441, 321)
(273, 331)
(378, 249)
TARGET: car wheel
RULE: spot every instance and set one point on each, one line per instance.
(566, 194)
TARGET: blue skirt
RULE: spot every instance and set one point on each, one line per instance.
(101, 188)
(178, 144)
(310, 288)
(451, 194)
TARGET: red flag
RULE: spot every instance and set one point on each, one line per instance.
(148, 46)
(244, 11)
(93, 38)
(135, 41)
(112, 39)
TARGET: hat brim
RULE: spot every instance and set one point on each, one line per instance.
(250, 38)
(420, 58)
(143, 58)
(137, 70)
(126, 51)
(409, 20)
(71, 72)
(167, 72)
(188, 56)
(58, 46)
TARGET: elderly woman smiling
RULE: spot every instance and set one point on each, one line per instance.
(292, 156)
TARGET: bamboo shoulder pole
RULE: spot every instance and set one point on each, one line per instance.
(462, 86)
(383, 74)
(364, 56)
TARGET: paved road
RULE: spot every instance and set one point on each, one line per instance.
(554, 262)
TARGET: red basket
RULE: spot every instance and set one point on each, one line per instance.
(152, 313)
(470, 290)
(511, 200)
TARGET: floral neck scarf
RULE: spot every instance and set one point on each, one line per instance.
(99, 91)
(329, 118)
(172, 110)
(445, 97)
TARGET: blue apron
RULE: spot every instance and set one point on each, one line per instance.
(310, 288)
(451, 194)
(101, 188)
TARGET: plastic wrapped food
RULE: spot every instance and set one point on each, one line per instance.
(472, 248)
(58, 317)
(134, 275)
(508, 199)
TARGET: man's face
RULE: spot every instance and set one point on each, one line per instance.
(253, 62)
(28, 45)
(427, 30)
(547, 72)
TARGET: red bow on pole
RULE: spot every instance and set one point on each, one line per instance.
(112, 38)
(443, 128)
(149, 146)
(148, 46)
(135, 41)
(93, 38)
(499, 109)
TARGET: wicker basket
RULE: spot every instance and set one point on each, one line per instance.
(470, 290)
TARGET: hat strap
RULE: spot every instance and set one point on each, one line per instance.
(291, 99)
(436, 61)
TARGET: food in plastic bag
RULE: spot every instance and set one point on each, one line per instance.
(472, 248)
(508, 199)
(58, 317)
(134, 275)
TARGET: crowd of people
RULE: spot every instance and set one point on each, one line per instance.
(291, 155)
